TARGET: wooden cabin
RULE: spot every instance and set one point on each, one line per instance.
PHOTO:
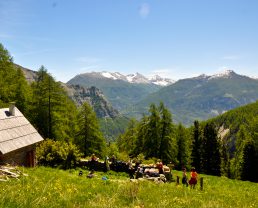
(18, 138)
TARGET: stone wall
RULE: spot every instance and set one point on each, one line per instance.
(22, 157)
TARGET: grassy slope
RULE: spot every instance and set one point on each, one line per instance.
(46, 187)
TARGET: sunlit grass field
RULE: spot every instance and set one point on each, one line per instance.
(46, 187)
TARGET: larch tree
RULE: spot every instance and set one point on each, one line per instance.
(211, 158)
(167, 149)
(52, 110)
(196, 146)
(183, 147)
(126, 142)
(152, 138)
(89, 138)
(249, 162)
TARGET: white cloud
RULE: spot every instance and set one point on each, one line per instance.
(144, 10)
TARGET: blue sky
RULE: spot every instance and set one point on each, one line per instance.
(173, 38)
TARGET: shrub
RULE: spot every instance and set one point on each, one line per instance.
(58, 154)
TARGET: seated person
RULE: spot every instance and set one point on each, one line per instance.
(94, 158)
(139, 173)
(91, 174)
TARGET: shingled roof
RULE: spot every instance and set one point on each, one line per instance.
(16, 131)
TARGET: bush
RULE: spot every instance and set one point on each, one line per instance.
(58, 154)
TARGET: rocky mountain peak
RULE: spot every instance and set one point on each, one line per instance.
(137, 78)
(158, 80)
(224, 74)
(94, 97)
(131, 78)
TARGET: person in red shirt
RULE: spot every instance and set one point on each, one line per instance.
(193, 180)
(159, 165)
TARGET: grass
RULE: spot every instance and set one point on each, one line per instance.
(46, 187)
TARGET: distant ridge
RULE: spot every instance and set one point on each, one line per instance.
(197, 98)
(131, 78)
(203, 97)
(120, 90)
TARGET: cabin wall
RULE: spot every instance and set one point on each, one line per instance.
(22, 157)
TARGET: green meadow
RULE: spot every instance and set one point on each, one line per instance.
(47, 187)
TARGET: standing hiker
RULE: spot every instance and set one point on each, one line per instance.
(193, 180)
(184, 178)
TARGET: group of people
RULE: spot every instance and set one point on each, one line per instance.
(193, 178)
(139, 170)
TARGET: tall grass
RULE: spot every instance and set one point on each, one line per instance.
(46, 187)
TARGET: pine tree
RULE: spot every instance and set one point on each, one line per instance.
(22, 93)
(52, 110)
(211, 158)
(141, 135)
(89, 137)
(183, 149)
(13, 85)
(249, 162)
(237, 162)
(126, 142)
(225, 161)
(166, 151)
(7, 76)
(152, 137)
(196, 147)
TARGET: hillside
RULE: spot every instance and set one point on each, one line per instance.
(94, 97)
(122, 94)
(204, 97)
(46, 187)
(232, 120)
(112, 123)
(29, 74)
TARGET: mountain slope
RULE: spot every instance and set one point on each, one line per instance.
(30, 75)
(203, 97)
(234, 118)
(94, 97)
(112, 123)
(229, 123)
(122, 94)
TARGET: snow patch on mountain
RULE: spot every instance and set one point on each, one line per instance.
(137, 78)
(108, 75)
(132, 78)
(225, 74)
(161, 81)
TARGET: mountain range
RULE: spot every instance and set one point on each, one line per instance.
(197, 98)
(136, 78)
(203, 97)
(122, 91)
